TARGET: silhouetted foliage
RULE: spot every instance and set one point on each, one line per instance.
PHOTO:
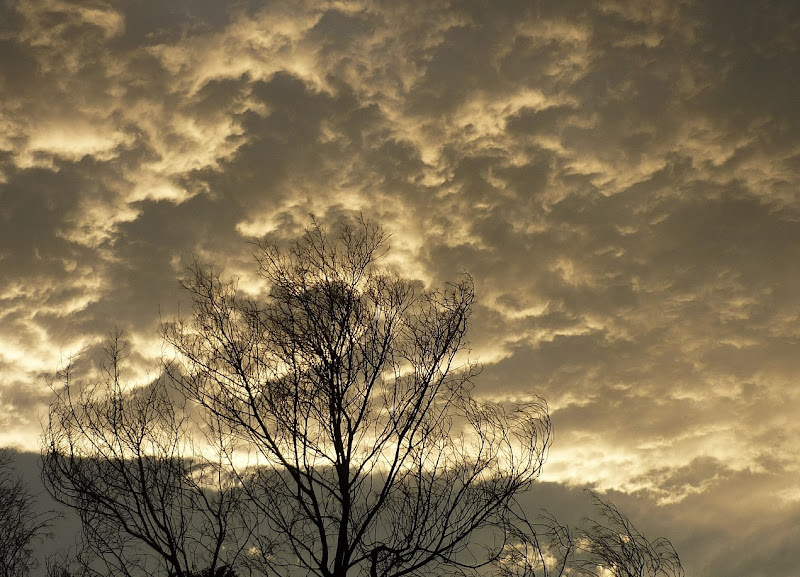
(223, 571)
(338, 404)
(126, 462)
(612, 545)
(607, 545)
(59, 565)
(536, 549)
(20, 523)
(344, 384)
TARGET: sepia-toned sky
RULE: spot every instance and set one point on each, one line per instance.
(620, 177)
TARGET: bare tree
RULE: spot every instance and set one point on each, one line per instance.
(607, 545)
(350, 389)
(536, 549)
(20, 524)
(338, 406)
(613, 546)
(149, 502)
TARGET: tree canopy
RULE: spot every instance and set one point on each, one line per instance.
(337, 406)
(324, 425)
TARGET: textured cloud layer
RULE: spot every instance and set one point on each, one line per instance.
(621, 178)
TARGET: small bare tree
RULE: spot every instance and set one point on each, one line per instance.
(20, 524)
(613, 546)
(607, 545)
(149, 502)
(350, 388)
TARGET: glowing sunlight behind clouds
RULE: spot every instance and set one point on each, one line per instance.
(619, 177)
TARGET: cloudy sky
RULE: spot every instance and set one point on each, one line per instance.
(621, 178)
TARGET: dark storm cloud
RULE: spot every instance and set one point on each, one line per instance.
(619, 177)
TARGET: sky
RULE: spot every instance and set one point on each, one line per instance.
(620, 177)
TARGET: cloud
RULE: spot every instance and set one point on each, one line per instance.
(619, 177)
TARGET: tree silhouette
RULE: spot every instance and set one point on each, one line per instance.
(148, 500)
(223, 571)
(613, 546)
(338, 400)
(20, 523)
(344, 385)
(607, 545)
